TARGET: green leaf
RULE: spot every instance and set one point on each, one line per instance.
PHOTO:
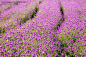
(15, 50)
(67, 53)
(29, 48)
(20, 53)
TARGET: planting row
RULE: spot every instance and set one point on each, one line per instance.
(19, 17)
(71, 40)
(20, 8)
(14, 10)
(6, 6)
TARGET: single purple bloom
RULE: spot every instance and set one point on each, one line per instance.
(84, 44)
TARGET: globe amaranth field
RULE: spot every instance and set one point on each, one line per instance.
(43, 28)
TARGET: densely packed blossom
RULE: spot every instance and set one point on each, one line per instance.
(57, 30)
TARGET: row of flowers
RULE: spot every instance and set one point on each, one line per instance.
(17, 14)
(6, 6)
(72, 33)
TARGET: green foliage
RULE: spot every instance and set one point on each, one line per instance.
(60, 21)
(1, 30)
(8, 8)
(36, 9)
(15, 50)
(29, 48)
(61, 9)
(67, 53)
(32, 15)
(74, 40)
(40, 2)
(15, 39)
(20, 53)
(55, 28)
(58, 26)
(35, 32)
(16, 3)
(63, 45)
(34, 12)
(52, 36)
(13, 56)
(19, 23)
(38, 53)
(25, 19)
(2, 53)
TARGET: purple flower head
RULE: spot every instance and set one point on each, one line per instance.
(26, 51)
(81, 29)
(84, 36)
(0, 36)
(80, 53)
(8, 51)
(20, 42)
(48, 55)
(5, 53)
(0, 47)
(33, 55)
(17, 53)
(22, 54)
(25, 43)
(85, 50)
(28, 55)
(84, 44)
(8, 37)
(22, 46)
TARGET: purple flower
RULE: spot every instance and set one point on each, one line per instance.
(8, 51)
(28, 54)
(84, 36)
(81, 29)
(80, 53)
(5, 53)
(22, 46)
(84, 44)
(0, 47)
(20, 50)
(22, 54)
(85, 50)
(20, 42)
(8, 37)
(17, 53)
(26, 51)
(48, 55)
(25, 43)
(0, 36)
(33, 55)
(3, 49)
